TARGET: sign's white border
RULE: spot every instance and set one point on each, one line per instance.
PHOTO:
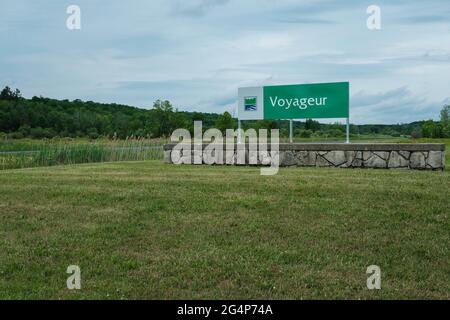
(251, 114)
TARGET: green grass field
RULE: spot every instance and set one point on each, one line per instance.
(148, 230)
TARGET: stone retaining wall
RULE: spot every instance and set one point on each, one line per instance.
(407, 156)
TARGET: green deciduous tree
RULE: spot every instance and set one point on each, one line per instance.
(266, 124)
(431, 129)
(8, 94)
(312, 125)
(225, 121)
(164, 119)
(445, 121)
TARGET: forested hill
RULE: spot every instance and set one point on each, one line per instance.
(43, 117)
(40, 117)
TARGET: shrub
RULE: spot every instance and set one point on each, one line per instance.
(335, 133)
(15, 135)
(306, 133)
(416, 133)
(92, 133)
(431, 129)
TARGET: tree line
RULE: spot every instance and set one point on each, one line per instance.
(41, 117)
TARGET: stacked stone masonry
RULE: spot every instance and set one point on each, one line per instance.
(387, 156)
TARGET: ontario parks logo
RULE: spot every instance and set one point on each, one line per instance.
(250, 103)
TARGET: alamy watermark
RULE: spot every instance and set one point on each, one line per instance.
(74, 280)
(374, 280)
(225, 151)
(73, 22)
(374, 20)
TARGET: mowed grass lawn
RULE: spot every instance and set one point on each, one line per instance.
(149, 230)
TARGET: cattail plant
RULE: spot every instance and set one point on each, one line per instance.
(50, 153)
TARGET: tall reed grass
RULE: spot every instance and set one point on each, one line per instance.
(50, 153)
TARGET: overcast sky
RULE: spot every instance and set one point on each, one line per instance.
(197, 53)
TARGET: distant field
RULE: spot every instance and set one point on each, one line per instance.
(151, 230)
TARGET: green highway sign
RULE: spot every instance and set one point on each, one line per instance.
(324, 100)
(298, 101)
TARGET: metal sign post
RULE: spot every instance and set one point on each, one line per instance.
(348, 131)
(239, 131)
(290, 131)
